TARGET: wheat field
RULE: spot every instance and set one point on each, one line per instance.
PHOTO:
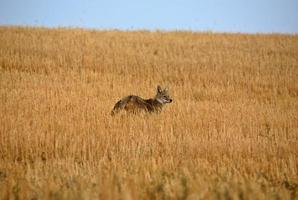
(230, 133)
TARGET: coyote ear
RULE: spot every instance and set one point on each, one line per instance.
(167, 89)
(158, 89)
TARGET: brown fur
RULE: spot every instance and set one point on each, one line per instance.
(135, 104)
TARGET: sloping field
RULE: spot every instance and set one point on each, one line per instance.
(231, 132)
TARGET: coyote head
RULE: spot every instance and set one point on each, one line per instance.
(162, 95)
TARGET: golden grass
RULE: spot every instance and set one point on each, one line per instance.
(231, 132)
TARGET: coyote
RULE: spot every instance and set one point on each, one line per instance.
(136, 104)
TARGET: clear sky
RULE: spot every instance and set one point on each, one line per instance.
(197, 15)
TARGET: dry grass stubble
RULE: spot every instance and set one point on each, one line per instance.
(231, 131)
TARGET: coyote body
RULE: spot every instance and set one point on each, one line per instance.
(135, 104)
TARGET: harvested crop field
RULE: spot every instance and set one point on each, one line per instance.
(230, 133)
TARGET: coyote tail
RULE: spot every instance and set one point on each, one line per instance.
(116, 107)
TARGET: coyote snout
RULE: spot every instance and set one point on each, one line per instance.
(135, 104)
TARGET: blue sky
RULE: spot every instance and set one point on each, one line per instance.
(198, 15)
